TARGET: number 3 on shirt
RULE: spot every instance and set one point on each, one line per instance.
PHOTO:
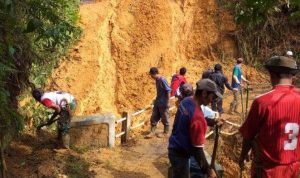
(292, 129)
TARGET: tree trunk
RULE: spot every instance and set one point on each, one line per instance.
(2, 162)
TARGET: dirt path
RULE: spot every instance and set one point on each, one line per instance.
(140, 158)
(107, 72)
(33, 156)
(148, 158)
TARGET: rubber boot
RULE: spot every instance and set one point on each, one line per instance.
(152, 132)
(166, 129)
(165, 133)
(66, 141)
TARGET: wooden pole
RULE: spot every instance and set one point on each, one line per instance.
(126, 127)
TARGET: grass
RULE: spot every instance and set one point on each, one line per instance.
(77, 167)
(80, 150)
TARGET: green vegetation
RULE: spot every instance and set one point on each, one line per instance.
(271, 25)
(76, 167)
(34, 34)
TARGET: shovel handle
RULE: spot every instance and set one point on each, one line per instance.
(214, 154)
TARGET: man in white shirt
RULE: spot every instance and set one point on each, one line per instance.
(64, 105)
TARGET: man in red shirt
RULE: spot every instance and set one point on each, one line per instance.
(272, 127)
(178, 80)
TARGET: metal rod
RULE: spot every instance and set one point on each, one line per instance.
(139, 125)
(209, 134)
(120, 120)
(138, 112)
(234, 124)
(229, 134)
(120, 134)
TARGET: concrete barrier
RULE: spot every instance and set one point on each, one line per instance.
(94, 130)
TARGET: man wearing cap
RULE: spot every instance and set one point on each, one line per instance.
(188, 134)
(237, 78)
(221, 81)
(161, 104)
(185, 90)
(289, 54)
(271, 129)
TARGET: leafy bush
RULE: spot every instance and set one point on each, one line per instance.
(34, 34)
(264, 27)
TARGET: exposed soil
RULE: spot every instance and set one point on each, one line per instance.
(108, 69)
(35, 155)
(108, 72)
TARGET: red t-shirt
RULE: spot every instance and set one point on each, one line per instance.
(273, 121)
(47, 102)
(175, 83)
(198, 128)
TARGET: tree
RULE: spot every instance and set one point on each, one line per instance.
(33, 35)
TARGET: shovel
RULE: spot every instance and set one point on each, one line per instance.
(242, 101)
(247, 98)
(214, 154)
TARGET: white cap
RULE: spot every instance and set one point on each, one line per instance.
(289, 53)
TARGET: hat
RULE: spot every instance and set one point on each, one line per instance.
(289, 53)
(187, 89)
(153, 71)
(218, 67)
(282, 61)
(208, 85)
(240, 60)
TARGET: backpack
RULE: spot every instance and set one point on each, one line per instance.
(207, 73)
(177, 80)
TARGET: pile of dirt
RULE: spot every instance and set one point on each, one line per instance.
(108, 70)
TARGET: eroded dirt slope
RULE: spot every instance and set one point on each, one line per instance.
(107, 70)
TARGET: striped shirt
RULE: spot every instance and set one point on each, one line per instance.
(273, 122)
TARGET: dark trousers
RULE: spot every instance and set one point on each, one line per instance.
(180, 165)
(184, 166)
(160, 112)
(195, 170)
(217, 105)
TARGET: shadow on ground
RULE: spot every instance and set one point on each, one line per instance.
(123, 173)
(35, 156)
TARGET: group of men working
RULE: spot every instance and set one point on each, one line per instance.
(271, 129)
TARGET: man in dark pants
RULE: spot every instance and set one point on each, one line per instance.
(161, 104)
(188, 134)
(221, 81)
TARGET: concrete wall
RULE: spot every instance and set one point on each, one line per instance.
(93, 131)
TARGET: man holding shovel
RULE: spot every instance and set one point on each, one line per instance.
(271, 129)
(188, 134)
(64, 105)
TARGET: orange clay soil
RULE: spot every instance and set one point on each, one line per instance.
(107, 72)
